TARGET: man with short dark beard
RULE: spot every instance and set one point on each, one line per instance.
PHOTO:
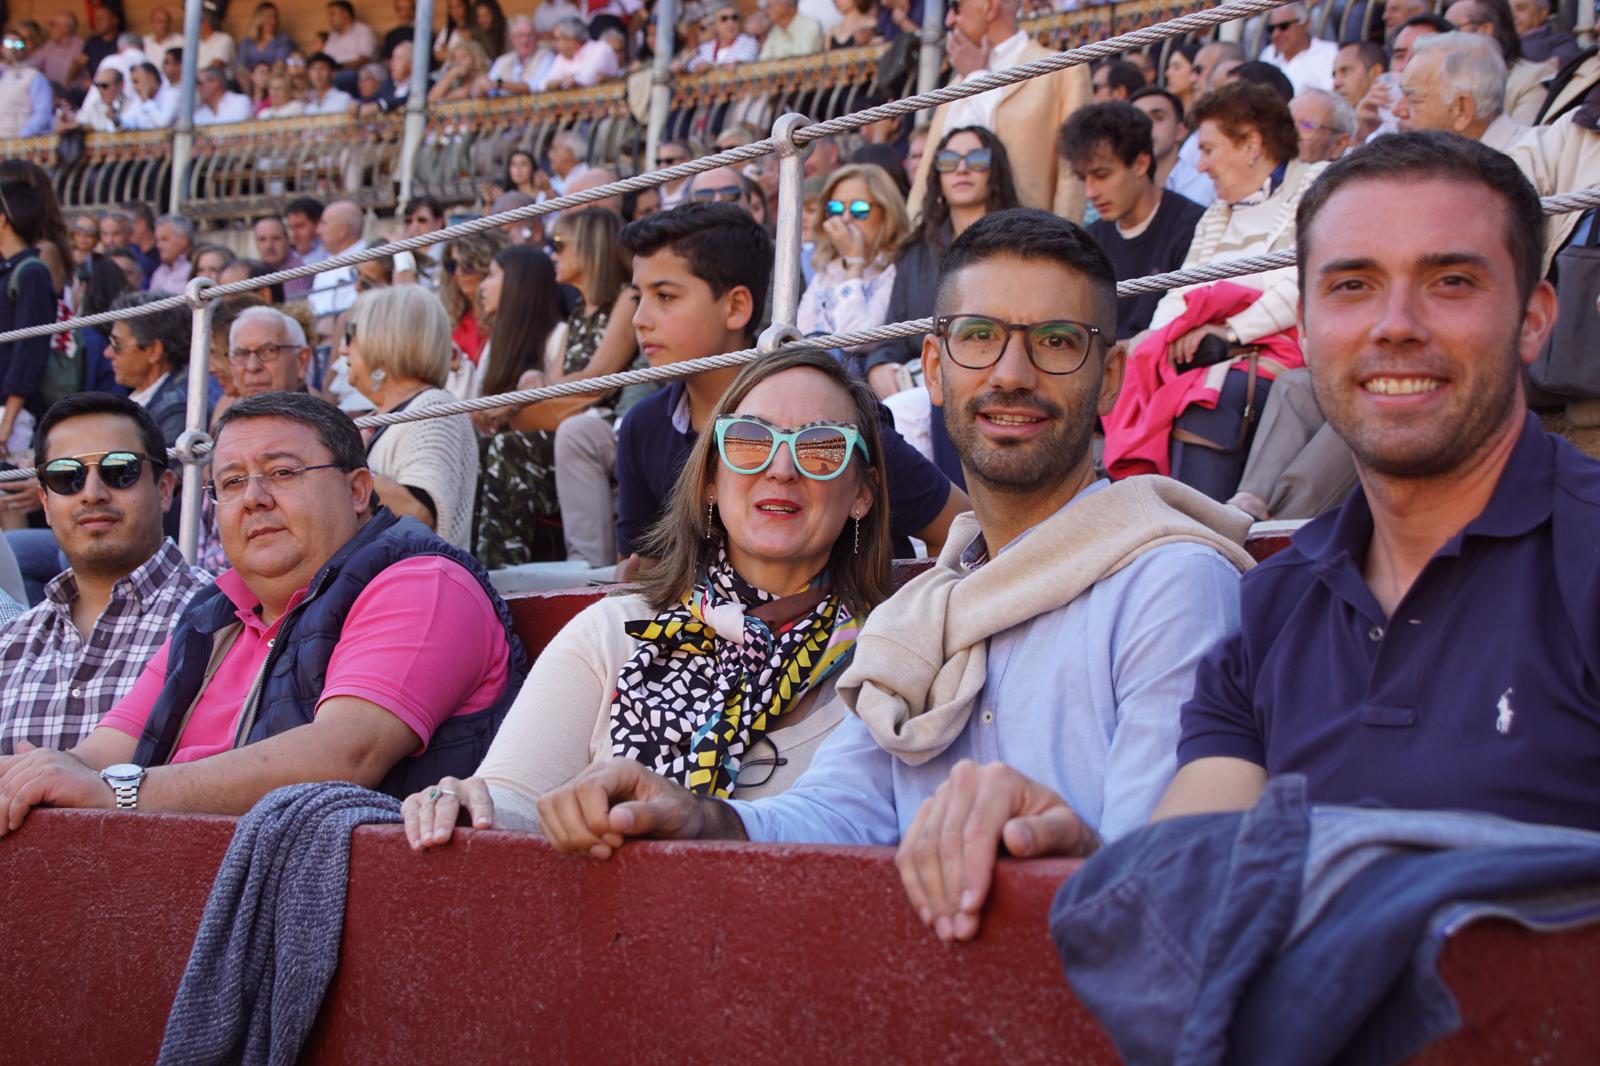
(1434, 643)
(64, 663)
(1021, 696)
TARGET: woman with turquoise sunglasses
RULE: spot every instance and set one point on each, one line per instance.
(719, 670)
(859, 238)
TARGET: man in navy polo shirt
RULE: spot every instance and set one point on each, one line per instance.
(1434, 642)
(701, 272)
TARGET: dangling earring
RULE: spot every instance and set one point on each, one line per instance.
(711, 505)
(378, 377)
(858, 535)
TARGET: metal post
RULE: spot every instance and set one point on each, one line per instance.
(930, 60)
(183, 131)
(786, 282)
(661, 78)
(416, 98)
(196, 418)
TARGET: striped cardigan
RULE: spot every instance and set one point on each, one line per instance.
(1266, 228)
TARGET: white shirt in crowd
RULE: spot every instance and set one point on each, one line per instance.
(95, 115)
(145, 395)
(333, 102)
(824, 11)
(233, 107)
(511, 67)
(979, 110)
(123, 63)
(156, 49)
(218, 48)
(559, 184)
(1310, 69)
(335, 290)
(595, 60)
(156, 113)
(359, 42)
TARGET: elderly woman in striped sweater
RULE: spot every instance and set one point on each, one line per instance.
(1199, 376)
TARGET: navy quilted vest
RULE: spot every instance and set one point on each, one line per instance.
(297, 664)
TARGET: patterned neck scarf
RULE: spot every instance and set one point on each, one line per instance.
(712, 674)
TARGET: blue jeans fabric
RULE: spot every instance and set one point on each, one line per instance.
(38, 558)
(1295, 934)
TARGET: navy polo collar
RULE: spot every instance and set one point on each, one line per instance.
(1520, 503)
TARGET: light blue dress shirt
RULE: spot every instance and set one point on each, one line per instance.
(41, 108)
(1083, 699)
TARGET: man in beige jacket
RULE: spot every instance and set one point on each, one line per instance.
(983, 37)
(1021, 696)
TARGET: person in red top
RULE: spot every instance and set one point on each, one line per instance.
(404, 634)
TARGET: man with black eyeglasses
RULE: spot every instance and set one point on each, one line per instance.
(345, 644)
(106, 484)
(1305, 60)
(267, 352)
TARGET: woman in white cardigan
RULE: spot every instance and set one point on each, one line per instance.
(398, 343)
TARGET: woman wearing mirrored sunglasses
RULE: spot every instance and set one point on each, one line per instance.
(465, 263)
(974, 175)
(862, 229)
(773, 548)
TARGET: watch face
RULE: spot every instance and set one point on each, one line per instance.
(123, 771)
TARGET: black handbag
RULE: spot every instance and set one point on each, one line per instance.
(1569, 363)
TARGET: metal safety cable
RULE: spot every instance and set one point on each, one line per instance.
(1221, 270)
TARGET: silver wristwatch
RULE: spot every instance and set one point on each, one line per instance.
(124, 779)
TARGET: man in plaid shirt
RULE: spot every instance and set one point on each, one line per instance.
(64, 663)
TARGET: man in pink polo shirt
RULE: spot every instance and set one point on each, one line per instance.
(344, 644)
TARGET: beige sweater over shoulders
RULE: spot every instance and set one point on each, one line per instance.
(560, 723)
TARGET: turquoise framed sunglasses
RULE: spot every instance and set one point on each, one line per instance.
(821, 450)
(857, 209)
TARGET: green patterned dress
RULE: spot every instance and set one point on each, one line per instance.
(518, 518)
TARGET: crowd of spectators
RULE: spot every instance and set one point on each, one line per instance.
(117, 78)
(762, 681)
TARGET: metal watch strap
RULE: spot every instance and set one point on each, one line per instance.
(127, 795)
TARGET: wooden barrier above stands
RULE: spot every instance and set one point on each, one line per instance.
(496, 949)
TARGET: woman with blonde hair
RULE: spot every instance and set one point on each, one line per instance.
(266, 43)
(862, 230)
(587, 257)
(685, 674)
(398, 343)
(468, 63)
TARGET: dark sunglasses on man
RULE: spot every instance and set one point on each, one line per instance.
(118, 470)
(858, 209)
(948, 161)
(728, 194)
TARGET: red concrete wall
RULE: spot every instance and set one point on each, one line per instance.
(498, 950)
